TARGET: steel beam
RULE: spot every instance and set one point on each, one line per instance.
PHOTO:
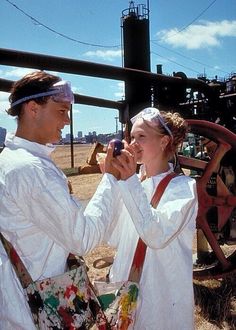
(5, 86)
(54, 63)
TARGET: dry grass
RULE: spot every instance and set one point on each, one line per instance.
(215, 302)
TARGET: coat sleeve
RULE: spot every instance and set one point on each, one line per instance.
(176, 210)
(43, 199)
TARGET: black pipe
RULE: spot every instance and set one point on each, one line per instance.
(71, 138)
(5, 86)
(53, 63)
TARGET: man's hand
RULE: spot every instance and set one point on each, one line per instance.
(108, 164)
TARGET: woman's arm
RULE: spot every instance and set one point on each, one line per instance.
(176, 210)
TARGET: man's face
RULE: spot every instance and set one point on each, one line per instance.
(50, 120)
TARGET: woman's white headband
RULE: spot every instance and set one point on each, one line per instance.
(152, 115)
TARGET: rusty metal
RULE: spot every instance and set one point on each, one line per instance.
(224, 201)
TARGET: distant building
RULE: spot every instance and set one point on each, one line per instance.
(67, 138)
(93, 137)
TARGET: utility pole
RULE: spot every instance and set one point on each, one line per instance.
(116, 118)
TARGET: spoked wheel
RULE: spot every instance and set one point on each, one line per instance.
(217, 201)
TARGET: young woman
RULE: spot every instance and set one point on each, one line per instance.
(166, 291)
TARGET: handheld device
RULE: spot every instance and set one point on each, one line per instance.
(118, 146)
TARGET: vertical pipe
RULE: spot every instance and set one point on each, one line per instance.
(136, 40)
(71, 138)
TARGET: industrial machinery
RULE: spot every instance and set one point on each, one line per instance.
(210, 109)
(214, 170)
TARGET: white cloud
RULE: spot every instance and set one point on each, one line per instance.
(4, 103)
(121, 90)
(108, 55)
(202, 35)
(76, 90)
(4, 96)
(76, 110)
(17, 72)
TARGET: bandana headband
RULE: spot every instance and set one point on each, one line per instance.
(153, 116)
(60, 92)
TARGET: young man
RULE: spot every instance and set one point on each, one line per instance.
(38, 215)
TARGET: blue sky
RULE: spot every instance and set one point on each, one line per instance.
(195, 37)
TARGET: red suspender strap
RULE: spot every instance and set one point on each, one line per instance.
(161, 188)
(139, 256)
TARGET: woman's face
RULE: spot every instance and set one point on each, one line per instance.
(147, 142)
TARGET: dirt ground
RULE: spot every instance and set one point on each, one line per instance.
(215, 303)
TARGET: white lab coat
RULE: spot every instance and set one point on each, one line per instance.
(166, 288)
(42, 221)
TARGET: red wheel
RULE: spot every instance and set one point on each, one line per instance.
(216, 216)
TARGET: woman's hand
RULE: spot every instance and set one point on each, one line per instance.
(122, 166)
(126, 162)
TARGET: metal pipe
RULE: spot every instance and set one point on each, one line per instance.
(71, 138)
(5, 86)
(67, 65)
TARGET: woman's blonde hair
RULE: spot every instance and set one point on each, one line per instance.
(178, 127)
